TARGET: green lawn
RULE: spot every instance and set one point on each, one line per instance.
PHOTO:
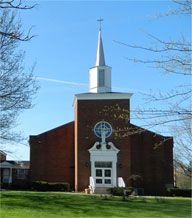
(57, 204)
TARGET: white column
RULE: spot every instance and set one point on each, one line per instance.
(10, 175)
(114, 174)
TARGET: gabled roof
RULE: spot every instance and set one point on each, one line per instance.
(58, 127)
(6, 164)
(139, 130)
(15, 164)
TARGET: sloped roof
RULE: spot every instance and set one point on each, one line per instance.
(139, 129)
(15, 164)
(58, 127)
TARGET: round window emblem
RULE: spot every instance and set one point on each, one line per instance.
(103, 128)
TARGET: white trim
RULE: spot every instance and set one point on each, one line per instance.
(104, 154)
(102, 96)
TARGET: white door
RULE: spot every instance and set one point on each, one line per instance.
(103, 159)
(103, 177)
(103, 174)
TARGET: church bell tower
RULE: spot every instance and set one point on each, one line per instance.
(98, 115)
(100, 74)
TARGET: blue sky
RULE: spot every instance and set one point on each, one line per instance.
(65, 48)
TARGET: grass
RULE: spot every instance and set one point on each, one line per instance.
(57, 205)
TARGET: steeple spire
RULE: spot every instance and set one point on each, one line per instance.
(100, 58)
(100, 74)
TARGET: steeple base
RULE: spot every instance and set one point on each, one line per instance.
(100, 79)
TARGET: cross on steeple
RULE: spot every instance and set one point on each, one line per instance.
(100, 20)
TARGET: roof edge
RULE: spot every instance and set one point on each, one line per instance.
(52, 129)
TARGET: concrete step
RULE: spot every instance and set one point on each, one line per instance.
(101, 190)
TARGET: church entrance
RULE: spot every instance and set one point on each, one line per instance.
(103, 174)
(103, 166)
(103, 158)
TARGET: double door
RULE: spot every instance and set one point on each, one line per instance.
(103, 177)
(103, 174)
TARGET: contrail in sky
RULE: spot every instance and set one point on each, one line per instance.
(85, 84)
(60, 81)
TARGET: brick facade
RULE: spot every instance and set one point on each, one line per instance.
(52, 155)
(87, 114)
(61, 154)
(137, 156)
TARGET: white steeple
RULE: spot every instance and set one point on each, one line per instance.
(100, 75)
(100, 58)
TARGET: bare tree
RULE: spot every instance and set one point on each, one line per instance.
(13, 4)
(17, 87)
(172, 109)
(183, 138)
(15, 33)
(182, 174)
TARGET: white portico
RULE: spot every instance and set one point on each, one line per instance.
(103, 158)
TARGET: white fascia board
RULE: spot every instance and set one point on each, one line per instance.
(102, 96)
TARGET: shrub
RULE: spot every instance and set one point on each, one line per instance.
(120, 191)
(17, 185)
(179, 192)
(20, 185)
(5, 186)
(117, 191)
(50, 186)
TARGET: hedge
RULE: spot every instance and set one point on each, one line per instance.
(17, 185)
(50, 186)
(20, 185)
(180, 192)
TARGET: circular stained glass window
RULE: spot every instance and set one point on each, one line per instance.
(103, 127)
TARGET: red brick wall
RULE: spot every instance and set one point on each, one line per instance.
(52, 155)
(153, 163)
(87, 114)
(2, 157)
(61, 154)
(137, 152)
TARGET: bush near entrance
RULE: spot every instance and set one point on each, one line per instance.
(120, 191)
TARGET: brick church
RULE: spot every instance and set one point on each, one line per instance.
(101, 148)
